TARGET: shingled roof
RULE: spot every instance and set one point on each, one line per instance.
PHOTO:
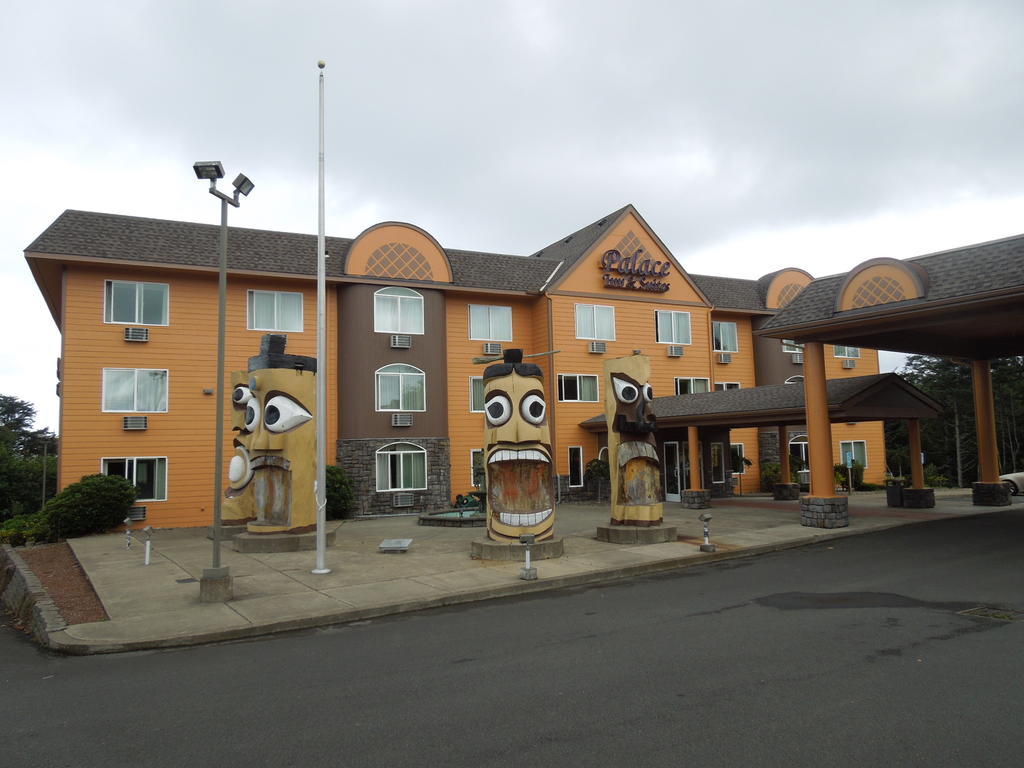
(731, 292)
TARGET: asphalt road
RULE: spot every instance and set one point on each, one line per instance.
(847, 653)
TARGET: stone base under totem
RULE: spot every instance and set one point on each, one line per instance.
(919, 498)
(246, 542)
(632, 534)
(485, 549)
(824, 511)
(990, 495)
(697, 499)
(786, 491)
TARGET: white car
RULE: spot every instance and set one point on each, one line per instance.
(1015, 480)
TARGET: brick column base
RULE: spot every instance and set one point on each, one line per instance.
(990, 495)
(919, 498)
(786, 491)
(699, 499)
(824, 511)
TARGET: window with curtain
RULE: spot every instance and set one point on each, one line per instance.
(842, 351)
(401, 388)
(673, 327)
(135, 390)
(401, 467)
(726, 339)
(686, 385)
(135, 303)
(397, 310)
(476, 394)
(595, 321)
(488, 323)
(148, 475)
(275, 311)
(577, 388)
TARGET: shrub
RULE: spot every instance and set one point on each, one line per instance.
(932, 478)
(19, 530)
(94, 504)
(770, 473)
(340, 501)
(842, 475)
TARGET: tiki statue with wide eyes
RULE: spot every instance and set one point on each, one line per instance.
(272, 474)
(637, 495)
(520, 483)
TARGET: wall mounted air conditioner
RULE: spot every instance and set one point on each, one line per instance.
(492, 348)
(136, 422)
(675, 350)
(725, 357)
(849, 363)
(798, 358)
(136, 334)
(401, 419)
(597, 347)
(400, 500)
(137, 513)
(401, 341)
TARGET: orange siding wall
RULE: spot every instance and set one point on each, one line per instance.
(187, 347)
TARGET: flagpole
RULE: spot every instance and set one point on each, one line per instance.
(321, 355)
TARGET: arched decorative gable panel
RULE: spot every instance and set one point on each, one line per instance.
(882, 281)
(784, 287)
(398, 251)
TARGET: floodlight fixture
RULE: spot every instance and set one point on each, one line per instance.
(210, 169)
(242, 184)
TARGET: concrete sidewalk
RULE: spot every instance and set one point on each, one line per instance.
(157, 606)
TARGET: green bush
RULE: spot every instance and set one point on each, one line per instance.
(19, 530)
(340, 501)
(770, 473)
(94, 504)
(932, 478)
(842, 475)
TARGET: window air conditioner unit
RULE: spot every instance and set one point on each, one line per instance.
(59, 389)
(675, 350)
(401, 419)
(60, 369)
(849, 363)
(492, 348)
(597, 347)
(137, 513)
(725, 357)
(400, 500)
(798, 358)
(136, 422)
(401, 341)
(136, 334)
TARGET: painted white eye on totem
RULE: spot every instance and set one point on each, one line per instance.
(625, 391)
(281, 413)
(241, 395)
(499, 410)
(252, 414)
(648, 392)
(533, 409)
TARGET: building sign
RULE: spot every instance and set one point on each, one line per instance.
(636, 272)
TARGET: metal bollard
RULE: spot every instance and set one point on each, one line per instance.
(707, 546)
(127, 533)
(528, 573)
(148, 530)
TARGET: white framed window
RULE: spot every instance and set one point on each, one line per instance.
(490, 323)
(721, 386)
(401, 467)
(788, 345)
(798, 379)
(476, 394)
(717, 463)
(689, 385)
(842, 351)
(147, 473)
(275, 311)
(575, 466)
(132, 303)
(736, 459)
(135, 390)
(577, 388)
(595, 321)
(673, 327)
(726, 338)
(476, 467)
(397, 310)
(401, 387)
(858, 448)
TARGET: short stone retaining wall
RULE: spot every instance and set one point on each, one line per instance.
(23, 595)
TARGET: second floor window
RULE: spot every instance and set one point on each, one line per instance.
(488, 323)
(673, 327)
(135, 303)
(721, 386)
(401, 388)
(595, 321)
(476, 394)
(725, 337)
(275, 311)
(397, 310)
(847, 351)
(135, 390)
(691, 386)
(788, 345)
(577, 388)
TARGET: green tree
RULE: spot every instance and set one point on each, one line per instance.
(26, 455)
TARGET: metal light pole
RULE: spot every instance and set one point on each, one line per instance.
(215, 585)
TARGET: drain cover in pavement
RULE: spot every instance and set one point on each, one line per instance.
(392, 546)
(1000, 614)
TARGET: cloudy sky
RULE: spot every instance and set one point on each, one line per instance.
(751, 135)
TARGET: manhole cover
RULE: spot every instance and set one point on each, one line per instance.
(999, 614)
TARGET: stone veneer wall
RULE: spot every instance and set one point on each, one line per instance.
(358, 458)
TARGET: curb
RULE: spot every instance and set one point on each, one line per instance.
(23, 595)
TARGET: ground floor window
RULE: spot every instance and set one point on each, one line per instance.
(148, 475)
(717, 464)
(476, 467)
(575, 466)
(798, 448)
(736, 458)
(401, 467)
(855, 449)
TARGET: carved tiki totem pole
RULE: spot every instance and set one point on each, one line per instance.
(636, 491)
(272, 473)
(520, 483)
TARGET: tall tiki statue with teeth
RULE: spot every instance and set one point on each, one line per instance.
(520, 485)
(272, 473)
(637, 495)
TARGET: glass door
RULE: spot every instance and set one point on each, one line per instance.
(670, 466)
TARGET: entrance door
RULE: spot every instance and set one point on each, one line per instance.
(671, 467)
